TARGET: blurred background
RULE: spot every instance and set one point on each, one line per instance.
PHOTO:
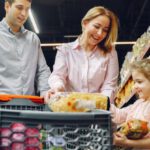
(59, 21)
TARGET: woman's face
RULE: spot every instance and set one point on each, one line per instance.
(141, 85)
(96, 30)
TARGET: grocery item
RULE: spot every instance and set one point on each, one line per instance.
(77, 102)
(18, 136)
(135, 129)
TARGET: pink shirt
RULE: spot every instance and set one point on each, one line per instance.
(77, 71)
(139, 110)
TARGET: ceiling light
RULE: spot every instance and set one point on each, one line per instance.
(33, 21)
(50, 44)
(125, 43)
(115, 43)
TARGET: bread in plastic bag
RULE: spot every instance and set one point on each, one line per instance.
(77, 102)
(135, 129)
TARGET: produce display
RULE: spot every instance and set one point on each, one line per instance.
(135, 129)
(77, 102)
(20, 137)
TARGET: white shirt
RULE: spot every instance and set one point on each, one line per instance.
(77, 71)
(22, 63)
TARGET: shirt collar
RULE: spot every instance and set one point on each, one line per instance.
(22, 30)
(76, 44)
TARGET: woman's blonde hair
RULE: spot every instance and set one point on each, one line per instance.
(142, 66)
(112, 35)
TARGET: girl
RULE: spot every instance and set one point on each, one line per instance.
(139, 110)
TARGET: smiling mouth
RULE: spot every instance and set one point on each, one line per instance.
(21, 20)
(96, 38)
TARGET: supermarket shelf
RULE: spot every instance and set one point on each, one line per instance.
(126, 99)
(123, 84)
(145, 50)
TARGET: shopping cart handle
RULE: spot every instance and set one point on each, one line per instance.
(8, 97)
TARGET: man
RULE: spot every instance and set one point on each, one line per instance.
(23, 69)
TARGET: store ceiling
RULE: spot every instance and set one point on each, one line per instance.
(57, 19)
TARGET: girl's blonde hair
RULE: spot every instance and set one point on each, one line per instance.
(112, 35)
(143, 66)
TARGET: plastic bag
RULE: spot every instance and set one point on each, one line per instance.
(78, 102)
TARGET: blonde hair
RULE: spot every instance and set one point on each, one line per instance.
(112, 35)
(142, 66)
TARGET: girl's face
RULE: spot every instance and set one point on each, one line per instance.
(96, 30)
(141, 85)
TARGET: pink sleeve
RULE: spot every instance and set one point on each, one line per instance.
(147, 116)
(59, 74)
(110, 84)
(119, 115)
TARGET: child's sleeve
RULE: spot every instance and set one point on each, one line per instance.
(119, 115)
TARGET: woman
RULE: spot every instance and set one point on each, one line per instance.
(90, 63)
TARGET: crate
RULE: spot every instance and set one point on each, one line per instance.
(55, 131)
(22, 104)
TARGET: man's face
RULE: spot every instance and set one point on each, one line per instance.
(17, 13)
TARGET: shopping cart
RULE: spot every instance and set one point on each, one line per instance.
(41, 130)
(22, 102)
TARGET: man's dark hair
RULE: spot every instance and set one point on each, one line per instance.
(12, 1)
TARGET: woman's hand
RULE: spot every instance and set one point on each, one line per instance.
(47, 95)
(51, 92)
(59, 89)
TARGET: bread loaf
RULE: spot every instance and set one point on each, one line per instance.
(67, 102)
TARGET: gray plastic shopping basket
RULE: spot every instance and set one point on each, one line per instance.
(55, 131)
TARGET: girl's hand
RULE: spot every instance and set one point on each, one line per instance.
(119, 139)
